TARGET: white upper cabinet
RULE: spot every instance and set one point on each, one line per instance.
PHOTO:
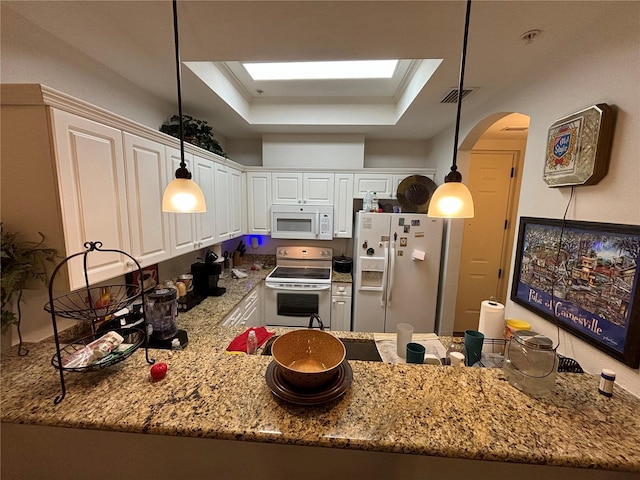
(91, 176)
(203, 174)
(343, 205)
(237, 204)
(182, 225)
(380, 183)
(228, 202)
(258, 203)
(146, 169)
(222, 192)
(318, 188)
(286, 187)
(302, 188)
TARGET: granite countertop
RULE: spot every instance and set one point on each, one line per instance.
(465, 413)
(337, 277)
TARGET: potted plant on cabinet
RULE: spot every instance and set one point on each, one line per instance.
(21, 261)
(197, 132)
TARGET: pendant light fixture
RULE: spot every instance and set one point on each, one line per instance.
(182, 195)
(453, 199)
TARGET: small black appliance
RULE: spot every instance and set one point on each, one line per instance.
(205, 279)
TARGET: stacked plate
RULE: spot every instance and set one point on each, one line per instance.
(328, 392)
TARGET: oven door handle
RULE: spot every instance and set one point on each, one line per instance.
(299, 289)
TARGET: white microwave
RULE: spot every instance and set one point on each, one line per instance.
(308, 222)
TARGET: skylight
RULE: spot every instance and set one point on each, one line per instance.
(337, 70)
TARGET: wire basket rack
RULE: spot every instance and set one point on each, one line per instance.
(133, 339)
(84, 304)
(89, 305)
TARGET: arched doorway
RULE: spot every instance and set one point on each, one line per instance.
(495, 172)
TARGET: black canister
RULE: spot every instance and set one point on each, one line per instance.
(342, 264)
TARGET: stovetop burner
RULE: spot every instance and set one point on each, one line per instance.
(312, 273)
(302, 265)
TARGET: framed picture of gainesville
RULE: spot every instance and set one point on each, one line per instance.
(582, 276)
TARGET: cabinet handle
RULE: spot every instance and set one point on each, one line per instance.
(299, 201)
(129, 264)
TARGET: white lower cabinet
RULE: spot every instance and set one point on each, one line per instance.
(248, 313)
(341, 307)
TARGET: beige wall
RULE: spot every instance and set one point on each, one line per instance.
(603, 70)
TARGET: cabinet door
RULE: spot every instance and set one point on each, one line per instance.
(397, 179)
(252, 307)
(236, 203)
(259, 203)
(341, 307)
(91, 176)
(222, 195)
(146, 168)
(380, 183)
(287, 188)
(204, 175)
(343, 206)
(318, 188)
(182, 225)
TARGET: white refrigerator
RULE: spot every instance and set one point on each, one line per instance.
(396, 271)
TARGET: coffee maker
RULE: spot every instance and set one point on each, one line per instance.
(206, 275)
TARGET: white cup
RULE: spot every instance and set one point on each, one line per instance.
(404, 332)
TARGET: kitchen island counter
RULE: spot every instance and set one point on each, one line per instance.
(428, 412)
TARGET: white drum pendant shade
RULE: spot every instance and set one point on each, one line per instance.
(183, 196)
(451, 200)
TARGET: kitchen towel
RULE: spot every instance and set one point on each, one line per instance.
(386, 344)
(491, 322)
(239, 344)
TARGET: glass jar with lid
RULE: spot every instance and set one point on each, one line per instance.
(530, 363)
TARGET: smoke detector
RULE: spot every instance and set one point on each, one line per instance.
(529, 36)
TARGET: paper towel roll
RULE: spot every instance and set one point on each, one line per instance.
(491, 321)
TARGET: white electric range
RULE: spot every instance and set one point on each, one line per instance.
(299, 287)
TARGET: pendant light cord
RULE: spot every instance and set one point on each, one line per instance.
(182, 172)
(463, 60)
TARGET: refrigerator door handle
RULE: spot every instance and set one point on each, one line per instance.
(385, 272)
(392, 271)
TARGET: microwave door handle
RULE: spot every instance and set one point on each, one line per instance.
(392, 272)
(317, 224)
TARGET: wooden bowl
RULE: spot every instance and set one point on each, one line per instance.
(308, 359)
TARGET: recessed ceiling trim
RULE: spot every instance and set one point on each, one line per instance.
(345, 103)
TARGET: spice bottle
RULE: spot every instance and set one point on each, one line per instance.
(252, 343)
(607, 379)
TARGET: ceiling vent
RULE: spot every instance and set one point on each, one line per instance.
(452, 95)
